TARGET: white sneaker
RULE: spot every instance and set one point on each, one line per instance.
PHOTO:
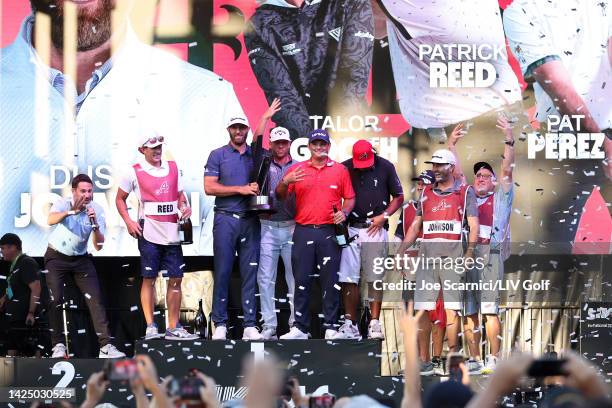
(152, 333)
(490, 364)
(375, 330)
(294, 334)
(348, 331)
(179, 333)
(220, 333)
(475, 366)
(269, 334)
(110, 351)
(331, 334)
(59, 351)
(251, 333)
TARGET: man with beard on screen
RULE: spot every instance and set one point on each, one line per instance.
(77, 88)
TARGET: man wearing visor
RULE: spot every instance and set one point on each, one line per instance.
(157, 184)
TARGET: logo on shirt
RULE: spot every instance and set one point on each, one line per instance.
(336, 33)
(364, 34)
(163, 189)
(290, 49)
(443, 205)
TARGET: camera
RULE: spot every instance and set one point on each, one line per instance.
(322, 401)
(124, 369)
(547, 367)
(186, 388)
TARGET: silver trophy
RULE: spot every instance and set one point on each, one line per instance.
(262, 202)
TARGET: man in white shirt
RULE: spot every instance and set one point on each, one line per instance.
(566, 47)
(51, 123)
(158, 185)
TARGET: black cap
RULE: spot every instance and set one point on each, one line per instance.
(427, 177)
(10, 239)
(483, 165)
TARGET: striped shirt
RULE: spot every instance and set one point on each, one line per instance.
(285, 209)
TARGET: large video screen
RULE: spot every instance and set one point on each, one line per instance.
(401, 74)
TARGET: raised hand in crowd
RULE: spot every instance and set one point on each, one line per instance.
(505, 378)
(412, 377)
(96, 386)
(148, 375)
(208, 393)
(263, 381)
(583, 376)
(138, 391)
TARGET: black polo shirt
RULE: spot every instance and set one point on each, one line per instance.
(374, 188)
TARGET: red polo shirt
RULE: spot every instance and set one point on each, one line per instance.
(319, 191)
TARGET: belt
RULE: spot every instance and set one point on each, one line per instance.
(356, 224)
(63, 255)
(495, 251)
(278, 224)
(315, 226)
(236, 214)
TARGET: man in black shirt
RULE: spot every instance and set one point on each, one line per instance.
(378, 195)
(19, 305)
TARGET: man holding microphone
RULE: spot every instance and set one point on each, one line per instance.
(76, 219)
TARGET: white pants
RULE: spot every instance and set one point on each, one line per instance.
(275, 241)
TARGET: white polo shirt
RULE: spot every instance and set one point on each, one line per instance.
(146, 88)
(445, 22)
(576, 32)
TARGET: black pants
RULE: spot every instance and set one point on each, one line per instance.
(315, 254)
(59, 266)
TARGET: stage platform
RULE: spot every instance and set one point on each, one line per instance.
(338, 367)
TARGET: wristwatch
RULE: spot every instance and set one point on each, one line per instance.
(71, 212)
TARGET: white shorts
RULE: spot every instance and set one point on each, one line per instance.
(359, 257)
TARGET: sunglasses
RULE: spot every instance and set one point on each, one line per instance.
(154, 140)
(484, 176)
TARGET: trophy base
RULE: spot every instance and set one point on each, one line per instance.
(261, 205)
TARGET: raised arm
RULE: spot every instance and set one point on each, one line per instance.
(457, 133)
(274, 107)
(508, 159)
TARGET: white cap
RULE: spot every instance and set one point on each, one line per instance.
(279, 133)
(237, 120)
(150, 138)
(442, 156)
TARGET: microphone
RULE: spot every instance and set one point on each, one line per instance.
(92, 221)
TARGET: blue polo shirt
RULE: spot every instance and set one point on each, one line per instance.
(233, 169)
